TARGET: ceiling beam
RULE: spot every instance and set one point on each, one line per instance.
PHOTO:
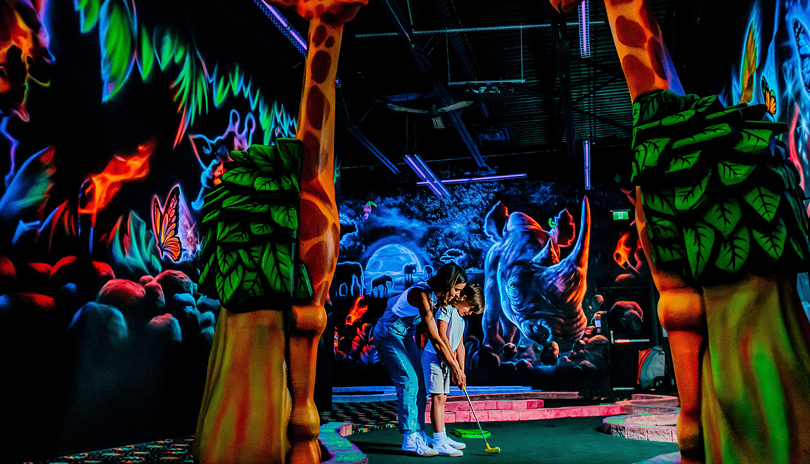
(405, 32)
(459, 43)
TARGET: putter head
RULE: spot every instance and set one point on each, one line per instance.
(494, 450)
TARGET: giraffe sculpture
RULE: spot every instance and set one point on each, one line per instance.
(258, 401)
(738, 336)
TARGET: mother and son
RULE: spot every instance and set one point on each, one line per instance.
(448, 298)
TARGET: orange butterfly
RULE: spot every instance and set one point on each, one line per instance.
(769, 96)
(166, 226)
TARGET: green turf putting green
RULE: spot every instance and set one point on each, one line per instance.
(555, 441)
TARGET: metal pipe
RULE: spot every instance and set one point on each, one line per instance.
(472, 29)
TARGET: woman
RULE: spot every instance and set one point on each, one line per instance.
(395, 342)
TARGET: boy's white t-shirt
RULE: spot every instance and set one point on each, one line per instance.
(455, 328)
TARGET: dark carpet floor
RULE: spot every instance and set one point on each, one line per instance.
(576, 440)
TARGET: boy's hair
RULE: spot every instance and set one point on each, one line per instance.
(475, 297)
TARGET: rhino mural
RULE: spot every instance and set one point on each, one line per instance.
(527, 287)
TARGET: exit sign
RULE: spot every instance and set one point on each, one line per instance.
(620, 214)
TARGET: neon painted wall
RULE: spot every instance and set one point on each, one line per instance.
(115, 119)
(390, 241)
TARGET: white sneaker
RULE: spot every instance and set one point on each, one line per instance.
(444, 447)
(427, 439)
(414, 443)
(455, 444)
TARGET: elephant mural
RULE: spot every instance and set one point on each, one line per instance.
(527, 286)
(348, 280)
(407, 273)
(381, 286)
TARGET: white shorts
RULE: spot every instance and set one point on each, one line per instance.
(437, 375)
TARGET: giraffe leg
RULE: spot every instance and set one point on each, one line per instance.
(682, 312)
(306, 325)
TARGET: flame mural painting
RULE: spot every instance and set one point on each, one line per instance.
(114, 118)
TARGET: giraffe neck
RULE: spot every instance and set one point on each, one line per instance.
(319, 230)
(642, 51)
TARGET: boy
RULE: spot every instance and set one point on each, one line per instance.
(451, 326)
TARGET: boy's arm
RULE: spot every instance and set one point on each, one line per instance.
(460, 356)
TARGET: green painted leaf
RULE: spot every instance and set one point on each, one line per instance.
(772, 241)
(242, 157)
(303, 286)
(233, 200)
(668, 252)
(232, 232)
(689, 196)
(118, 48)
(258, 228)
(756, 137)
(662, 203)
(266, 184)
(648, 152)
(711, 133)
(249, 207)
(764, 202)
(724, 215)
(639, 131)
(207, 270)
(648, 109)
(733, 113)
(705, 104)
(289, 154)
(289, 183)
(285, 216)
(783, 174)
(277, 266)
(797, 248)
(733, 173)
(699, 240)
(211, 215)
(662, 228)
(231, 282)
(241, 176)
(247, 260)
(734, 252)
(678, 118)
(252, 286)
(683, 162)
(226, 260)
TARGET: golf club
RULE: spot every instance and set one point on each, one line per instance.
(489, 449)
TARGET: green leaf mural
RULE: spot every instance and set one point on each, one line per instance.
(764, 202)
(662, 228)
(772, 241)
(662, 202)
(733, 173)
(724, 215)
(243, 176)
(648, 152)
(668, 253)
(699, 240)
(710, 134)
(683, 163)
(688, 196)
(734, 252)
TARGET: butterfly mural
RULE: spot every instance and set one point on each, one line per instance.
(802, 38)
(769, 97)
(166, 225)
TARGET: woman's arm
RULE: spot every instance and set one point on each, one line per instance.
(420, 299)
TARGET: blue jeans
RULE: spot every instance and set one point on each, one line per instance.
(394, 339)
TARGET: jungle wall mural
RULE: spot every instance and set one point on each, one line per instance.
(115, 119)
(551, 259)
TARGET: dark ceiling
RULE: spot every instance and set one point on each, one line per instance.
(534, 98)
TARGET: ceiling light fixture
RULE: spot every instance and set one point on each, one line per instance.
(426, 174)
(467, 180)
